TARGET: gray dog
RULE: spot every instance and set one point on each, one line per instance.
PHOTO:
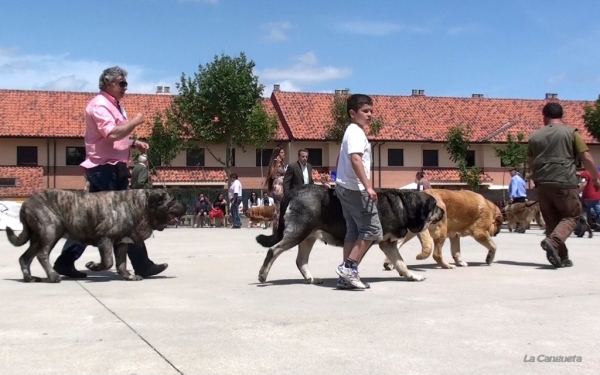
(101, 219)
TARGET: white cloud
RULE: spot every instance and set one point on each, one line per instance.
(276, 31)
(303, 72)
(557, 78)
(378, 28)
(463, 29)
(63, 73)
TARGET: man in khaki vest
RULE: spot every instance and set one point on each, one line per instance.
(553, 151)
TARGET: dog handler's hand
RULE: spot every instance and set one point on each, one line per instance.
(142, 146)
(372, 194)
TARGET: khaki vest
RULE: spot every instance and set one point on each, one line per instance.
(554, 151)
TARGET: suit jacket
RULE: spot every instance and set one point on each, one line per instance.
(293, 176)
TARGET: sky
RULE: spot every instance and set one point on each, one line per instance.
(503, 49)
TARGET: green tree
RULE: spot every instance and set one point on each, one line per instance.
(339, 119)
(458, 141)
(591, 118)
(514, 153)
(221, 104)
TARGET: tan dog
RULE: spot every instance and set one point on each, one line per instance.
(261, 213)
(467, 214)
(522, 213)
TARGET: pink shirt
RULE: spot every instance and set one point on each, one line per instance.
(102, 115)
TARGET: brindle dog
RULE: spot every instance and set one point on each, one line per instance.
(101, 219)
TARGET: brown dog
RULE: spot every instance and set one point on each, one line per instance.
(261, 213)
(467, 214)
(522, 213)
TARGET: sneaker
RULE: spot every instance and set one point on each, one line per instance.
(350, 275)
(551, 253)
(343, 284)
(567, 263)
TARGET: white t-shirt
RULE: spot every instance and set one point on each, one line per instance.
(354, 141)
(236, 187)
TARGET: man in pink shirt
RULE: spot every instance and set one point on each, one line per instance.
(107, 146)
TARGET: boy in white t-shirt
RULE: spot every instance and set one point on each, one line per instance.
(358, 199)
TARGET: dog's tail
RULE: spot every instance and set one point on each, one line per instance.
(21, 239)
(273, 239)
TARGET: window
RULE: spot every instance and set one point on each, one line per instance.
(266, 157)
(8, 182)
(470, 158)
(27, 155)
(75, 155)
(232, 156)
(315, 157)
(395, 157)
(430, 158)
(194, 157)
(153, 159)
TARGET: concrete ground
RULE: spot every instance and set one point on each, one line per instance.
(207, 313)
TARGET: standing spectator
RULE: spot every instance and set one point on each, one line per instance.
(298, 173)
(422, 182)
(274, 181)
(552, 152)
(235, 197)
(140, 178)
(108, 146)
(517, 190)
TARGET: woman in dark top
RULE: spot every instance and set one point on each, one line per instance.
(218, 210)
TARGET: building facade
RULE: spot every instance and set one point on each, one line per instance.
(41, 139)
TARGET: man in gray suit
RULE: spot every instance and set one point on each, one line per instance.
(298, 173)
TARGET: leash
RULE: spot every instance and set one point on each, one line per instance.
(158, 179)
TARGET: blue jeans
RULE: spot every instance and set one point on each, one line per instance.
(107, 178)
(594, 210)
(235, 212)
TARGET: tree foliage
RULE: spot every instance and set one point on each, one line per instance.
(458, 141)
(221, 104)
(514, 153)
(339, 119)
(591, 118)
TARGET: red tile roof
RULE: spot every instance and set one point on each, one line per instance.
(318, 174)
(421, 118)
(189, 175)
(29, 181)
(27, 113)
(450, 175)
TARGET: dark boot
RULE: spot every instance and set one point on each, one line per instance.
(141, 264)
(65, 265)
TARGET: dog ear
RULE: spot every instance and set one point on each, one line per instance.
(156, 198)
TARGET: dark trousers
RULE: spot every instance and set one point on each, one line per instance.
(108, 178)
(519, 200)
(560, 209)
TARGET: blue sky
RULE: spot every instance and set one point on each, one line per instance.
(502, 49)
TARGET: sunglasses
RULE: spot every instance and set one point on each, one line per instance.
(123, 84)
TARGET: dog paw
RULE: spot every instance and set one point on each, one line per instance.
(448, 266)
(262, 277)
(462, 263)
(314, 281)
(133, 278)
(388, 266)
(415, 278)
(93, 266)
(55, 278)
(489, 259)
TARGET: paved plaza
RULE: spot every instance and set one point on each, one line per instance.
(207, 313)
